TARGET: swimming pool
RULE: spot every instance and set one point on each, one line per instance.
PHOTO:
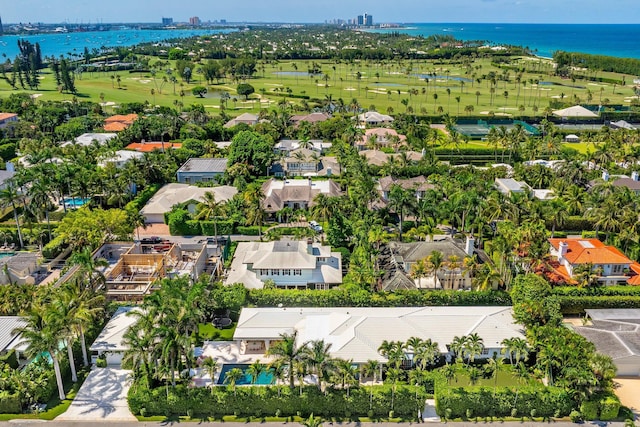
(265, 378)
(76, 202)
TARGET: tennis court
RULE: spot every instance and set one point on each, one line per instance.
(481, 128)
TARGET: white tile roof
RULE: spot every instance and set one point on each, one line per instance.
(173, 194)
(110, 339)
(356, 333)
(8, 324)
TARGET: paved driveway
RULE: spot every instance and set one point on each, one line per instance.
(102, 397)
(628, 390)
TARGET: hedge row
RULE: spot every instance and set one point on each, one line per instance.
(610, 291)
(343, 298)
(142, 198)
(503, 402)
(577, 304)
(9, 403)
(277, 401)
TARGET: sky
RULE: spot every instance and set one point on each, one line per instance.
(493, 11)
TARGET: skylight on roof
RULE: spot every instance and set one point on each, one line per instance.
(586, 244)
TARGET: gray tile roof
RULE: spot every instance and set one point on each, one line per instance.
(198, 165)
(615, 332)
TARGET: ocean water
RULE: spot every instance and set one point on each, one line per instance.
(57, 44)
(543, 39)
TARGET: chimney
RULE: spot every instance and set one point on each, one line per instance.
(470, 245)
(634, 175)
(310, 246)
(605, 176)
(563, 248)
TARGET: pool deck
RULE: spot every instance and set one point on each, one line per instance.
(228, 352)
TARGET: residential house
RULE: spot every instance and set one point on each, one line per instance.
(615, 333)
(295, 193)
(87, 139)
(120, 158)
(397, 260)
(305, 162)
(119, 122)
(373, 118)
(172, 194)
(18, 268)
(613, 267)
(7, 118)
(110, 342)
(289, 264)
(380, 137)
(310, 118)
(285, 146)
(201, 170)
(246, 118)
(418, 185)
(148, 147)
(9, 337)
(508, 186)
(632, 183)
(356, 333)
(380, 158)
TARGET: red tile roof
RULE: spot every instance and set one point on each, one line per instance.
(584, 251)
(147, 147)
(126, 118)
(5, 116)
(115, 126)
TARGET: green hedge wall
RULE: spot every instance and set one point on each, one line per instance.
(577, 304)
(267, 401)
(9, 403)
(344, 298)
(611, 291)
(142, 198)
(609, 408)
(499, 402)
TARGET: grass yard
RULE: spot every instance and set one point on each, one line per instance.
(208, 332)
(505, 379)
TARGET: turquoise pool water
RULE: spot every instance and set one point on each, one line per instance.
(6, 254)
(264, 378)
(75, 202)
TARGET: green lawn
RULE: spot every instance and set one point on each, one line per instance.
(505, 379)
(210, 333)
(382, 86)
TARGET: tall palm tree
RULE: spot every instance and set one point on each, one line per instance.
(436, 261)
(43, 334)
(210, 208)
(255, 370)
(87, 306)
(8, 198)
(458, 346)
(474, 346)
(370, 370)
(317, 356)
(287, 353)
(232, 377)
(210, 367)
(346, 373)
(89, 268)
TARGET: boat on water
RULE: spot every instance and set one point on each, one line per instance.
(61, 30)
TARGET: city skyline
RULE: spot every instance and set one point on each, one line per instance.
(481, 11)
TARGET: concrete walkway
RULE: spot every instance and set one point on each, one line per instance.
(102, 397)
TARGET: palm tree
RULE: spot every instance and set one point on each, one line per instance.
(449, 372)
(210, 208)
(255, 370)
(516, 348)
(474, 346)
(254, 197)
(89, 268)
(86, 306)
(436, 261)
(210, 367)
(42, 334)
(286, 353)
(346, 372)
(427, 353)
(317, 356)
(458, 346)
(8, 198)
(371, 369)
(232, 377)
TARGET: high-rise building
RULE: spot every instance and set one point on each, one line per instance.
(360, 20)
(1, 30)
(368, 20)
(194, 20)
(167, 21)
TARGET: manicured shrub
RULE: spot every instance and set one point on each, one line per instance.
(590, 410)
(9, 403)
(10, 359)
(609, 408)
